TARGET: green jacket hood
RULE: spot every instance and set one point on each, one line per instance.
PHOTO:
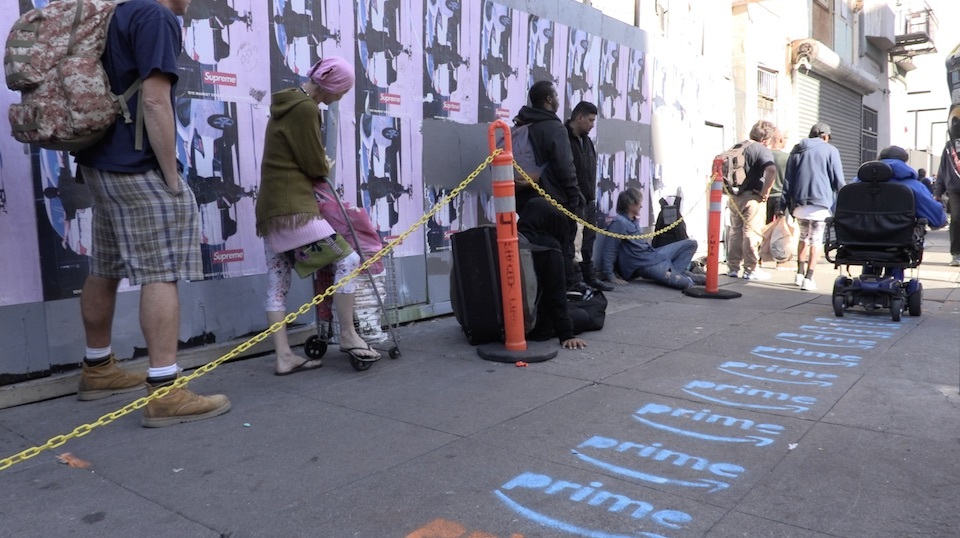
(286, 100)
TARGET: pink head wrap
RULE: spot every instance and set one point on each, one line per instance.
(333, 75)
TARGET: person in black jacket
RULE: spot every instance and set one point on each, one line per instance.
(544, 227)
(559, 179)
(581, 122)
(948, 186)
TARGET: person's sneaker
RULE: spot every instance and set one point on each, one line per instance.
(955, 262)
(733, 273)
(808, 285)
(106, 380)
(599, 285)
(697, 279)
(756, 274)
(181, 405)
(798, 279)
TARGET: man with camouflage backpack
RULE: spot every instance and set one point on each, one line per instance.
(145, 218)
(747, 207)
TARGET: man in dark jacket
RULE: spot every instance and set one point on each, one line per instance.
(543, 226)
(559, 178)
(579, 125)
(813, 177)
(948, 183)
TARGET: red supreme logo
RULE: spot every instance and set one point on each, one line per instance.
(389, 98)
(227, 256)
(220, 79)
(503, 113)
(451, 106)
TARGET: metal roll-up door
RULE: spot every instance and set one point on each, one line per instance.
(841, 108)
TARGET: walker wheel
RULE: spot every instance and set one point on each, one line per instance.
(394, 352)
(314, 347)
(360, 365)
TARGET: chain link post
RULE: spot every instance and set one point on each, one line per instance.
(713, 227)
(514, 347)
(712, 289)
(505, 205)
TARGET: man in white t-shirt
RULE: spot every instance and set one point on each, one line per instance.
(810, 184)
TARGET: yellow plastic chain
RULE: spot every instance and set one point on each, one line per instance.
(84, 429)
(736, 209)
(596, 228)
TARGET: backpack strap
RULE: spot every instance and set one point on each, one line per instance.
(122, 99)
(77, 18)
(20, 43)
(125, 112)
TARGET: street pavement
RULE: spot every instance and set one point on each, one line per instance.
(762, 416)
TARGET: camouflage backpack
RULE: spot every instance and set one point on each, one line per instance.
(52, 57)
(734, 166)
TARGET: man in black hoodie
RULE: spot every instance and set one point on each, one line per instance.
(559, 179)
(581, 122)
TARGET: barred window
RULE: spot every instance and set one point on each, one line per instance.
(766, 94)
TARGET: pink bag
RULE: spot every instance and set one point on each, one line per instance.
(367, 240)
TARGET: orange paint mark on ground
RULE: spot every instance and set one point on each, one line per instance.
(443, 528)
(439, 528)
(68, 459)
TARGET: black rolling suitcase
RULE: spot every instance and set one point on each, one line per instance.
(475, 285)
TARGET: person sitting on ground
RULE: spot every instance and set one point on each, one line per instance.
(545, 227)
(634, 258)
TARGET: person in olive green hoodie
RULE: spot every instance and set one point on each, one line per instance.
(294, 159)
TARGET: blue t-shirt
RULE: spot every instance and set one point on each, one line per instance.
(144, 37)
(756, 158)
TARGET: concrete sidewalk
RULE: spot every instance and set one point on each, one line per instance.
(763, 416)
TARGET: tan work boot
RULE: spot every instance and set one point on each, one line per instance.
(181, 405)
(107, 379)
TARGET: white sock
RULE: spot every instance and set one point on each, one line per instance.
(165, 371)
(96, 353)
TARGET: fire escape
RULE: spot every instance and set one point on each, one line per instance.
(916, 29)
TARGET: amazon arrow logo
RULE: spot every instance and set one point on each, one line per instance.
(654, 454)
(813, 378)
(798, 404)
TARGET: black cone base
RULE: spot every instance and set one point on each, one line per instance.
(535, 352)
(700, 292)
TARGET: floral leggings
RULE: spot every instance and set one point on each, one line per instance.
(279, 268)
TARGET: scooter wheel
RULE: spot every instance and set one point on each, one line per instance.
(394, 353)
(896, 308)
(314, 347)
(915, 302)
(839, 302)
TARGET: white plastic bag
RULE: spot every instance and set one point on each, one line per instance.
(783, 239)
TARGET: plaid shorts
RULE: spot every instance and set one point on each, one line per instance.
(141, 229)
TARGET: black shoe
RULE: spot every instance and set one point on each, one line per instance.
(600, 285)
(697, 278)
(579, 287)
